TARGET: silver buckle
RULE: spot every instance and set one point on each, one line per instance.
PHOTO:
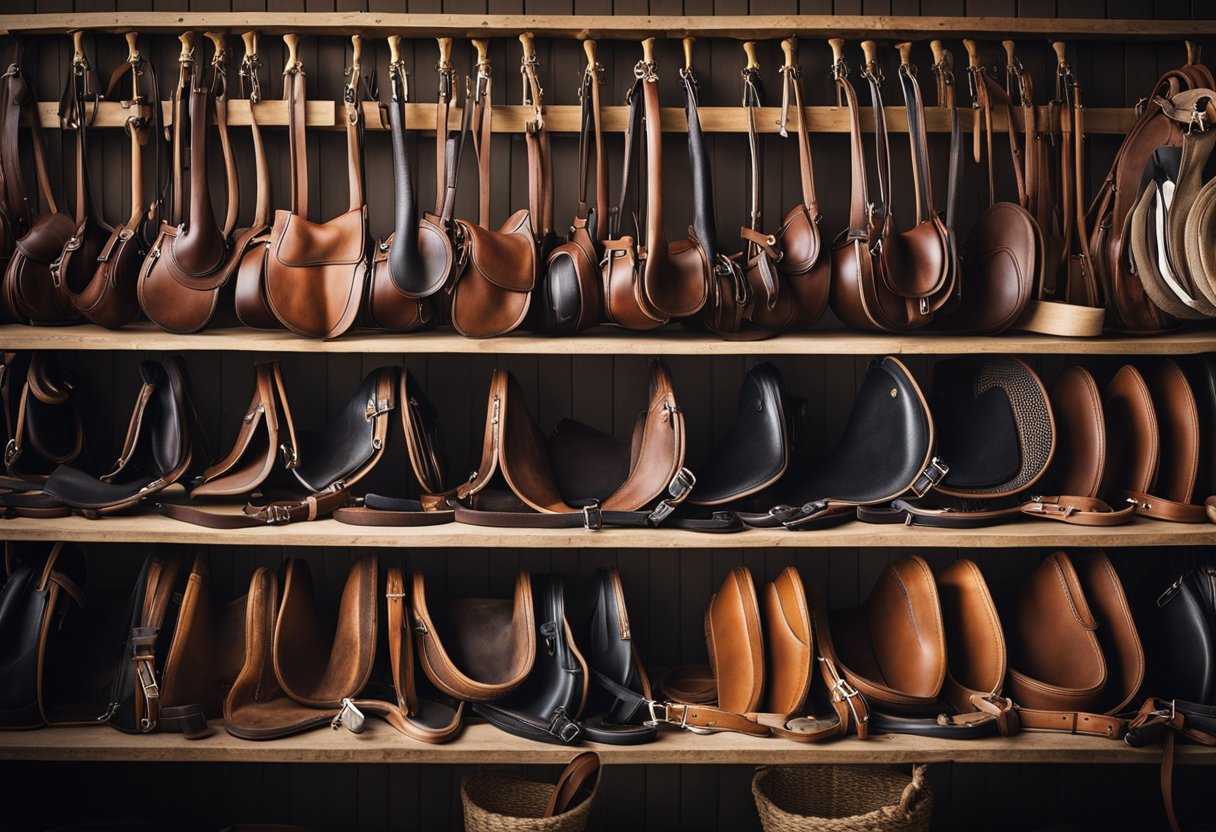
(678, 489)
(593, 518)
(805, 514)
(350, 716)
(934, 473)
(12, 452)
(290, 458)
(279, 513)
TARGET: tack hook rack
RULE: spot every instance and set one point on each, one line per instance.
(616, 27)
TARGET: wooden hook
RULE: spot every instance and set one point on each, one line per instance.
(132, 45)
(187, 41)
(1011, 57)
(251, 43)
(905, 52)
(529, 46)
(688, 42)
(749, 48)
(589, 48)
(217, 40)
(394, 49)
(648, 50)
(837, 45)
(939, 52)
(356, 58)
(78, 46)
(870, 49)
(483, 50)
(1192, 53)
(789, 46)
(445, 51)
(973, 54)
(293, 46)
(1061, 50)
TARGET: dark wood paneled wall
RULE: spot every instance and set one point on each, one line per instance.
(667, 589)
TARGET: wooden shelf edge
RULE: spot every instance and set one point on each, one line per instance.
(612, 27)
(1026, 534)
(486, 745)
(599, 341)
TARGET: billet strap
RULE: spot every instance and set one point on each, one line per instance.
(219, 94)
(918, 142)
(20, 101)
(536, 137)
(588, 132)
(352, 99)
(601, 165)
(1069, 722)
(294, 92)
(251, 66)
(179, 100)
(882, 144)
(482, 130)
(1072, 186)
(859, 198)
(445, 173)
(453, 151)
(593, 518)
(75, 113)
(752, 100)
(703, 223)
(561, 729)
(792, 85)
(1079, 511)
(260, 513)
(141, 125)
(633, 127)
(947, 97)
(1166, 720)
(379, 510)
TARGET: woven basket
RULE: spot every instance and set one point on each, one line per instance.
(839, 798)
(497, 803)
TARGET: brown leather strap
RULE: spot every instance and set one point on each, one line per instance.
(254, 514)
(353, 100)
(376, 510)
(1159, 508)
(482, 131)
(1092, 725)
(443, 104)
(219, 93)
(1078, 511)
(580, 777)
(294, 92)
(792, 84)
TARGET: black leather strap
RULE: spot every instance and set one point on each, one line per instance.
(593, 518)
(633, 129)
(379, 510)
(702, 180)
(561, 730)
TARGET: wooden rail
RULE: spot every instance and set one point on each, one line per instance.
(619, 27)
(564, 118)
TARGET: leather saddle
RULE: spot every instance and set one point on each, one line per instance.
(1075, 657)
(998, 435)
(887, 450)
(928, 654)
(301, 671)
(158, 450)
(415, 261)
(761, 445)
(42, 415)
(547, 705)
(1182, 635)
(581, 477)
(1155, 442)
(193, 257)
(772, 668)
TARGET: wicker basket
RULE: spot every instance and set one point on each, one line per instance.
(839, 798)
(497, 803)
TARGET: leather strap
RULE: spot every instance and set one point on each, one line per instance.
(1078, 511)
(1166, 720)
(1092, 725)
(482, 131)
(792, 85)
(19, 100)
(580, 777)
(219, 95)
(633, 127)
(1159, 508)
(260, 513)
(593, 518)
(294, 93)
(379, 510)
(444, 170)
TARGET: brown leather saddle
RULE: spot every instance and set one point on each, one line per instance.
(928, 654)
(302, 671)
(193, 256)
(498, 270)
(581, 477)
(1075, 657)
(773, 668)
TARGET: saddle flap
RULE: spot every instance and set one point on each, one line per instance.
(507, 257)
(523, 456)
(1055, 660)
(421, 271)
(735, 642)
(350, 446)
(423, 435)
(975, 640)
(916, 262)
(1117, 633)
(799, 242)
(788, 643)
(316, 665)
(657, 448)
(1177, 429)
(893, 647)
(998, 433)
(682, 289)
(1132, 435)
(1081, 434)
(888, 441)
(298, 242)
(587, 464)
(257, 443)
(1000, 263)
(755, 453)
(46, 237)
(476, 649)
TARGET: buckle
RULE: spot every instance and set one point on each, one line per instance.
(377, 407)
(278, 514)
(593, 517)
(147, 679)
(934, 473)
(290, 458)
(350, 716)
(805, 514)
(563, 728)
(678, 489)
(12, 452)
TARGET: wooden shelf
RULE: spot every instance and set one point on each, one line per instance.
(619, 27)
(486, 745)
(1030, 533)
(672, 340)
(565, 118)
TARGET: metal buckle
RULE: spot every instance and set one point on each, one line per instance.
(290, 458)
(350, 716)
(1170, 591)
(593, 517)
(147, 679)
(377, 407)
(278, 514)
(934, 473)
(805, 514)
(645, 71)
(12, 452)
(678, 490)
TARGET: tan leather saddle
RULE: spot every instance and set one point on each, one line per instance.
(1075, 658)
(580, 477)
(193, 257)
(498, 270)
